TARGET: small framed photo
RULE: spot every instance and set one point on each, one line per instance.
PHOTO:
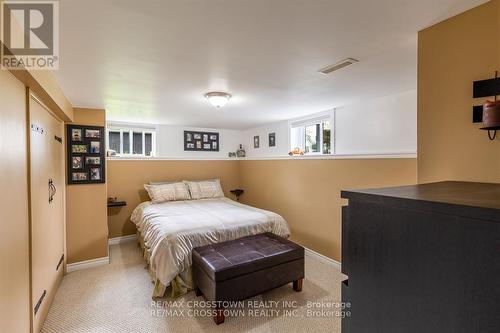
(206, 146)
(214, 145)
(94, 134)
(77, 162)
(95, 147)
(205, 137)
(213, 137)
(198, 144)
(272, 139)
(79, 176)
(189, 137)
(76, 134)
(92, 160)
(190, 146)
(79, 149)
(256, 141)
(197, 136)
(95, 174)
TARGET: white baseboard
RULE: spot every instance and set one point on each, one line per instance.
(123, 239)
(324, 259)
(87, 264)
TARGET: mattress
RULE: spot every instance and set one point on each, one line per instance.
(171, 230)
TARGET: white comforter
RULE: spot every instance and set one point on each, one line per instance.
(172, 229)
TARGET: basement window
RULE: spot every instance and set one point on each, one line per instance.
(131, 141)
(312, 136)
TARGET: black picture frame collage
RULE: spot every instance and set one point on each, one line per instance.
(201, 141)
(86, 154)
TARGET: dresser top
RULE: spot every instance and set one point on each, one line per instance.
(451, 195)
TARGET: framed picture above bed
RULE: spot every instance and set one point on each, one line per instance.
(201, 141)
(85, 154)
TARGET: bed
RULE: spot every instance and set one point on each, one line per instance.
(169, 231)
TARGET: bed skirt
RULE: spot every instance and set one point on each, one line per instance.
(179, 286)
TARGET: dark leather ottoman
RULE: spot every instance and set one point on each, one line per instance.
(246, 267)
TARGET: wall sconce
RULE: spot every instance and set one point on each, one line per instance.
(489, 113)
(491, 118)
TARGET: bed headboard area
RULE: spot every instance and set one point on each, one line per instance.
(126, 179)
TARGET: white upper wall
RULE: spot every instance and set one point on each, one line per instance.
(282, 147)
(385, 125)
(170, 142)
(381, 126)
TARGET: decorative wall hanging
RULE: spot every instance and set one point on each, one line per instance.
(201, 141)
(489, 113)
(85, 154)
(256, 141)
(272, 139)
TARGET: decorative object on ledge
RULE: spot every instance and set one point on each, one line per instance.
(241, 152)
(238, 193)
(85, 154)
(489, 113)
(296, 152)
(231, 154)
(201, 141)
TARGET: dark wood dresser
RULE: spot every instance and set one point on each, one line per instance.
(423, 258)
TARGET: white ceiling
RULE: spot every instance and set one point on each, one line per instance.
(152, 61)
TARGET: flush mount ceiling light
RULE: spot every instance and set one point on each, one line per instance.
(337, 66)
(218, 99)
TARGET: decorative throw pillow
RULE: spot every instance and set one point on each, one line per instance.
(168, 192)
(205, 189)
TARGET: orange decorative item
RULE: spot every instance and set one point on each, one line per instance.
(296, 152)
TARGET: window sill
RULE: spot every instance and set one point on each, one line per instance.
(335, 157)
(285, 157)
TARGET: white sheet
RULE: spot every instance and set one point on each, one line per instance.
(172, 229)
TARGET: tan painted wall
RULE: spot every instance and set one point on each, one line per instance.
(127, 177)
(14, 239)
(451, 55)
(45, 87)
(86, 211)
(307, 192)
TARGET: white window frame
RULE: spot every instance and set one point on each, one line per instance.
(131, 129)
(313, 121)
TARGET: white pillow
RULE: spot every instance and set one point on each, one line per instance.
(205, 189)
(168, 192)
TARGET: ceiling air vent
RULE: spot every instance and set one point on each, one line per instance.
(337, 66)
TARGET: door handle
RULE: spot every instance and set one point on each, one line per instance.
(52, 190)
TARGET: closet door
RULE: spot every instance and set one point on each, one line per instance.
(47, 207)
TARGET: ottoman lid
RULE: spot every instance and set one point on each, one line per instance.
(227, 260)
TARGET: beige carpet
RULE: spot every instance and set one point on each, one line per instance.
(117, 298)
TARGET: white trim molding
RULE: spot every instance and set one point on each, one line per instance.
(324, 259)
(402, 155)
(87, 264)
(122, 239)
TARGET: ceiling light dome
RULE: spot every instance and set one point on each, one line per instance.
(218, 99)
